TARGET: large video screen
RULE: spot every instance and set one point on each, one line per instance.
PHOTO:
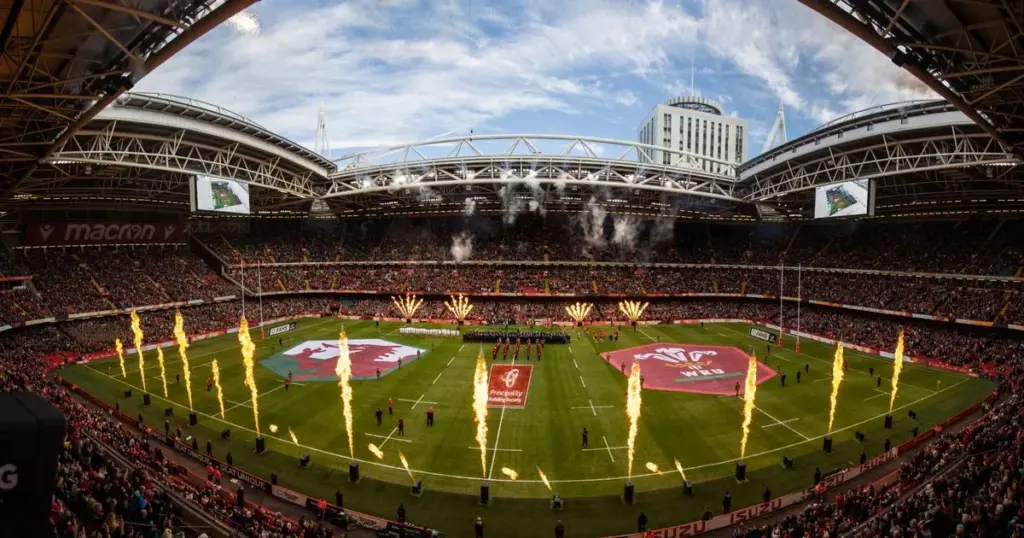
(220, 195)
(847, 199)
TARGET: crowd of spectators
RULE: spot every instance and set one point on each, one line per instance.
(97, 496)
(978, 246)
(76, 280)
(963, 483)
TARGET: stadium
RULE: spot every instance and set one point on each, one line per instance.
(208, 329)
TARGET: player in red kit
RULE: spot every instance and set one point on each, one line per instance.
(494, 352)
(529, 345)
(515, 355)
(504, 352)
(540, 347)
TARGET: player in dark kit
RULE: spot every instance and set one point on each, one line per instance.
(585, 437)
(379, 414)
(401, 427)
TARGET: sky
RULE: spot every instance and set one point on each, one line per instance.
(395, 71)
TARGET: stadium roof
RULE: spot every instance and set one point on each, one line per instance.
(969, 52)
(63, 61)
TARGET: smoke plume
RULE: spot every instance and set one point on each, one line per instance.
(462, 247)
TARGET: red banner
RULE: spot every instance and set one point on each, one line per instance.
(45, 234)
(508, 385)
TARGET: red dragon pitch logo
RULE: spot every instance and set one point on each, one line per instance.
(317, 359)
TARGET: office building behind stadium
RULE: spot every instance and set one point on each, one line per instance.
(695, 125)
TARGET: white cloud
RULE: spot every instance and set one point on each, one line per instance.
(400, 70)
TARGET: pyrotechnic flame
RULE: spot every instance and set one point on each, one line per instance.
(408, 305)
(897, 367)
(837, 379)
(376, 451)
(544, 478)
(579, 311)
(632, 309)
(248, 349)
(137, 332)
(406, 465)
(749, 393)
(509, 473)
(182, 338)
(480, 409)
(459, 307)
(679, 467)
(120, 356)
(273, 428)
(163, 372)
(294, 439)
(216, 383)
(633, 412)
(343, 369)
(653, 467)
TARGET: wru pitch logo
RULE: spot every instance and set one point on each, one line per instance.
(315, 360)
(687, 367)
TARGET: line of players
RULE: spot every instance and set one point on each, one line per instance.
(505, 344)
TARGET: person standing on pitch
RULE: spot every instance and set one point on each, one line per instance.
(586, 436)
(401, 427)
(378, 374)
(430, 416)
(641, 522)
(737, 387)
(798, 377)
(727, 502)
(783, 377)
(478, 528)
(559, 530)
(807, 367)
(391, 407)
(878, 384)
(380, 415)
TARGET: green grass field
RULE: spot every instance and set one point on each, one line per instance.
(571, 388)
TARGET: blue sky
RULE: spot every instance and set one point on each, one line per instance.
(392, 71)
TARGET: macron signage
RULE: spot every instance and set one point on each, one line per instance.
(100, 233)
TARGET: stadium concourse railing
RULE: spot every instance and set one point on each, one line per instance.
(741, 515)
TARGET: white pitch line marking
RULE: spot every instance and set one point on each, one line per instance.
(875, 396)
(576, 365)
(608, 448)
(605, 448)
(258, 396)
(571, 352)
(647, 335)
(496, 439)
(451, 359)
(592, 407)
(460, 349)
(496, 449)
(581, 381)
(477, 479)
(781, 423)
(435, 379)
(788, 427)
(421, 400)
(418, 401)
(387, 437)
